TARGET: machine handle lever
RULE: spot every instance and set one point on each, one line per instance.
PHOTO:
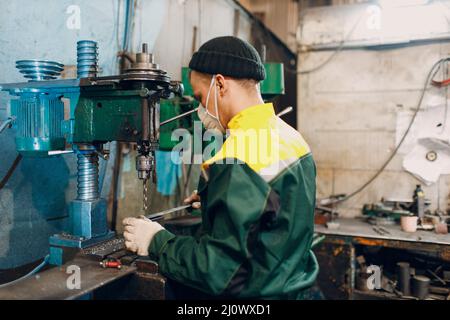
(178, 117)
(284, 111)
(281, 113)
(159, 215)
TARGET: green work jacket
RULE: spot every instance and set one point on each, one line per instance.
(257, 216)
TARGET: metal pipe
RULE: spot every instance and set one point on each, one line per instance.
(403, 278)
(285, 111)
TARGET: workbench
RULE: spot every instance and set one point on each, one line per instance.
(136, 279)
(337, 253)
(52, 283)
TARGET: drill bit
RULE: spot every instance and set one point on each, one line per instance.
(145, 195)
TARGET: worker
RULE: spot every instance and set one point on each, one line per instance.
(257, 212)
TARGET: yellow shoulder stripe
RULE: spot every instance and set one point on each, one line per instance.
(262, 141)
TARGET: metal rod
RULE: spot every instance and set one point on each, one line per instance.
(153, 124)
(284, 111)
(158, 215)
(281, 113)
(178, 117)
(145, 119)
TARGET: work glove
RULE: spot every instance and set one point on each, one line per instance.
(139, 233)
(193, 199)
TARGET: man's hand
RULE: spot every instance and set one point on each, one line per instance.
(193, 199)
(139, 233)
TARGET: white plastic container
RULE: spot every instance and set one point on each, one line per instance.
(409, 223)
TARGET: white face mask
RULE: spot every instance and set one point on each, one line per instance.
(210, 121)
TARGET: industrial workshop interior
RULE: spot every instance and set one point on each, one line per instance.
(258, 150)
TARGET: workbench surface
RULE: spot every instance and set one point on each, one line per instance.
(357, 227)
(51, 284)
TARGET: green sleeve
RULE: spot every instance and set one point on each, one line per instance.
(235, 199)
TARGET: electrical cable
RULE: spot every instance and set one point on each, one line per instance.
(200, 21)
(445, 76)
(119, 145)
(131, 22)
(335, 52)
(267, 32)
(429, 77)
(35, 270)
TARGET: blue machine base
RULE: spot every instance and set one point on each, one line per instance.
(62, 245)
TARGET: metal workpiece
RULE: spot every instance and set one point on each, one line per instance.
(38, 70)
(420, 286)
(87, 59)
(162, 214)
(87, 174)
(403, 278)
(144, 61)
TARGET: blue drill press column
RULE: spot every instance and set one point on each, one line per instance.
(88, 218)
(88, 211)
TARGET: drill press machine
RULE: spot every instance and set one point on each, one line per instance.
(80, 115)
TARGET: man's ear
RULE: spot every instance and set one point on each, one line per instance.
(222, 84)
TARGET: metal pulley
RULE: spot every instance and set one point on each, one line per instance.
(145, 69)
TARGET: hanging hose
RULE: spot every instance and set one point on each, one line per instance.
(29, 274)
(434, 69)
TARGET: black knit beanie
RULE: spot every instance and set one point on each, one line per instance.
(229, 56)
